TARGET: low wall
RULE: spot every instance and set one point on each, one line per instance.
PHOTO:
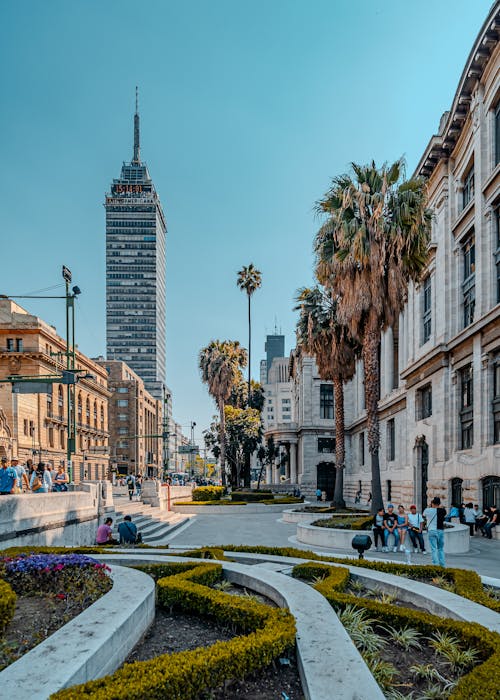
(227, 510)
(456, 537)
(295, 516)
(52, 519)
(160, 496)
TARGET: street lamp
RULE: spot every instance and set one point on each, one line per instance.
(193, 425)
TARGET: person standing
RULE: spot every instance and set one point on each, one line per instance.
(37, 484)
(8, 478)
(130, 486)
(318, 494)
(415, 527)
(378, 528)
(47, 477)
(402, 519)
(138, 486)
(22, 480)
(61, 479)
(435, 517)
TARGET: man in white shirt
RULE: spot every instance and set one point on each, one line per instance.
(415, 527)
(47, 478)
(434, 517)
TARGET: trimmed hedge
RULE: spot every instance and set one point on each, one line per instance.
(7, 604)
(16, 551)
(349, 523)
(267, 632)
(210, 503)
(251, 496)
(480, 682)
(467, 583)
(208, 493)
(283, 499)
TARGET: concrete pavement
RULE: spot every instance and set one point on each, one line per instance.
(268, 530)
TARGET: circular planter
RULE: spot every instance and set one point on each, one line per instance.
(219, 510)
(295, 516)
(456, 537)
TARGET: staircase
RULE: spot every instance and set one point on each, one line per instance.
(155, 525)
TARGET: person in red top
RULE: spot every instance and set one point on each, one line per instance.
(104, 533)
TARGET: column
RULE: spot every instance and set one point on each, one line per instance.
(293, 463)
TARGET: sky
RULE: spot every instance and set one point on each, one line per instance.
(248, 109)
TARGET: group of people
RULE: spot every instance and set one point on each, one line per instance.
(406, 529)
(477, 520)
(127, 532)
(17, 477)
(134, 484)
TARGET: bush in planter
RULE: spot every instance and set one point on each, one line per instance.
(251, 496)
(265, 633)
(210, 503)
(345, 524)
(7, 604)
(208, 493)
(480, 682)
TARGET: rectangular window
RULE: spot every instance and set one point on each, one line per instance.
(468, 191)
(496, 401)
(25, 427)
(469, 279)
(122, 431)
(361, 448)
(497, 134)
(496, 215)
(426, 309)
(424, 402)
(326, 401)
(10, 344)
(391, 440)
(389, 489)
(466, 408)
(19, 344)
(326, 444)
(122, 403)
(122, 416)
(122, 390)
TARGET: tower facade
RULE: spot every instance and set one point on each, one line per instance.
(135, 272)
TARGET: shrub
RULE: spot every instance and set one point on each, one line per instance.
(282, 500)
(345, 523)
(481, 682)
(55, 573)
(7, 604)
(185, 675)
(251, 496)
(210, 503)
(208, 493)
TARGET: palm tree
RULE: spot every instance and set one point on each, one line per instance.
(249, 280)
(220, 364)
(373, 244)
(319, 334)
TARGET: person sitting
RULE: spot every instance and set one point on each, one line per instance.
(492, 522)
(454, 513)
(104, 533)
(483, 519)
(402, 519)
(415, 527)
(470, 518)
(127, 531)
(390, 528)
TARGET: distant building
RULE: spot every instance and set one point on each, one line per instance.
(135, 272)
(135, 422)
(274, 347)
(35, 426)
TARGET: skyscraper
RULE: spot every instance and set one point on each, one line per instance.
(135, 271)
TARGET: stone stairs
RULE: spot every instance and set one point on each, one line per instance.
(154, 524)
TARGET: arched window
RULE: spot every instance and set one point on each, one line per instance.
(79, 408)
(456, 491)
(491, 491)
(95, 414)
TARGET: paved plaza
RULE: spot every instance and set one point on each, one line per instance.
(267, 529)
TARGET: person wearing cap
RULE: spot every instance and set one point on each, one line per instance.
(415, 529)
(22, 479)
(390, 528)
(8, 478)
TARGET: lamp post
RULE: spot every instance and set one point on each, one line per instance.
(166, 432)
(191, 454)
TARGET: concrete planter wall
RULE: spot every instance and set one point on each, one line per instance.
(295, 516)
(226, 510)
(456, 538)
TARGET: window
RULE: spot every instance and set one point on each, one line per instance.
(19, 344)
(426, 309)
(496, 215)
(79, 408)
(122, 403)
(326, 444)
(389, 489)
(122, 431)
(62, 439)
(102, 417)
(361, 448)
(122, 390)
(468, 190)
(285, 401)
(391, 439)
(95, 414)
(466, 408)
(496, 401)
(49, 403)
(10, 344)
(497, 134)
(87, 411)
(424, 402)
(32, 428)
(60, 400)
(469, 281)
(51, 437)
(326, 401)
(25, 426)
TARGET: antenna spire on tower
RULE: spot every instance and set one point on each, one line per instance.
(137, 146)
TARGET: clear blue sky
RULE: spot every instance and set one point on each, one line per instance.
(247, 109)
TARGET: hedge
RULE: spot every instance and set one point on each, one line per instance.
(208, 493)
(467, 583)
(351, 523)
(251, 496)
(7, 604)
(480, 682)
(183, 676)
(16, 551)
(210, 503)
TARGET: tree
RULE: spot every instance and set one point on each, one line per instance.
(220, 365)
(266, 456)
(321, 335)
(249, 280)
(373, 244)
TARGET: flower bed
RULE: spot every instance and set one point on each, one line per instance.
(482, 646)
(264, 634)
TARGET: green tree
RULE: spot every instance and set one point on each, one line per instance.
(373, 244)
(266, 456)
(321, 335)
(220, 365)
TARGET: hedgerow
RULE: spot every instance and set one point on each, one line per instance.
(7, 604)
(265, 633)
(210, 503)
(208, 493)
(481, 682)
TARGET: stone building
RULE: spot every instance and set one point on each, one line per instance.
(439, 404)
(135, 422)
(34, 426)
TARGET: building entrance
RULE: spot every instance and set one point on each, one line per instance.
(326, 473)
(423, 473)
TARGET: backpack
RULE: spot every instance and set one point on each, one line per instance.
(130, 482)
